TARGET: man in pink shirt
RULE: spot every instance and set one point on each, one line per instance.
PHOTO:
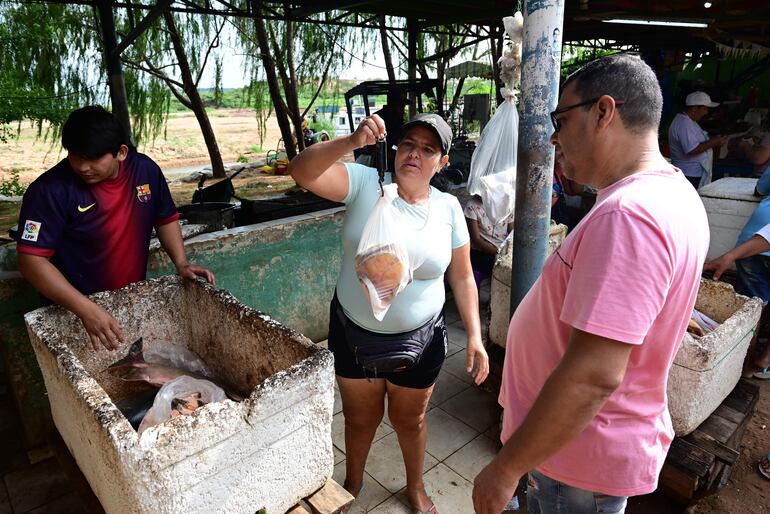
(590, 346)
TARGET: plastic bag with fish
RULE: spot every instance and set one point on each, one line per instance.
(136, 366)
(180, 396)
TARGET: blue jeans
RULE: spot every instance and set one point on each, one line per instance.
(548, 496)
(754, 277)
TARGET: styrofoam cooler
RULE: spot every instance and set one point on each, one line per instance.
(707, 368)
(729, 203)
(267, 451)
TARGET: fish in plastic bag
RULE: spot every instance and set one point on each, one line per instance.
(137, 366)
(181, 396)
(382, 262)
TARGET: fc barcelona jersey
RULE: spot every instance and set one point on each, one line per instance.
(97, 235)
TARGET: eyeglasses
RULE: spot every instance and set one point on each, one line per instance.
(557, 122)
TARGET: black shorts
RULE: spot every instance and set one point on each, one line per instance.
(421, 376)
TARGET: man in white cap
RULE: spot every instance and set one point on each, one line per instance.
(690, 145)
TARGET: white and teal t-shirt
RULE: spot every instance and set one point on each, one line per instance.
(431, 231)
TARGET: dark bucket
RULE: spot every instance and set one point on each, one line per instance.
(215, 215)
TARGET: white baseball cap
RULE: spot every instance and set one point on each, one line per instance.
(699, 98)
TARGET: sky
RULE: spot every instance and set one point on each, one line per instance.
(233, 70)
(370, 68)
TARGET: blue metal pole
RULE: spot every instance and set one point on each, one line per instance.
(541, 61)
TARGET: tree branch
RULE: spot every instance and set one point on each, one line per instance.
(397, 46)
(152, 70)
(179, 96)
(321, 84)
(214, 44)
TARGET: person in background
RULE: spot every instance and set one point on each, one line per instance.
(486, 236)
(590, 346)
(561, 212)
(85, 224)
(757, 154)
(690, 146)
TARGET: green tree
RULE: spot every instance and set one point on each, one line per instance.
(51, 63)
(435, 51)
(174, 51)
(39, 80)
(294, 56)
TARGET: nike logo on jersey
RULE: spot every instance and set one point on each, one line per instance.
(84, 209)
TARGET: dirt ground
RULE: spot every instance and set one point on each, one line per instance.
(236, 131)
(182, 147)
(747, 491)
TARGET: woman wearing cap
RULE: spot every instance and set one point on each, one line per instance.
(690, 146)
(434, 229)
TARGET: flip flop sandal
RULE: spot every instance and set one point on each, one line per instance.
(764, 467)
(762, 375)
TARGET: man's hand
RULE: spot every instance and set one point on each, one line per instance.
(102, 328)
(476, 354)
(719, 265)
(193, 271)
(493, 489)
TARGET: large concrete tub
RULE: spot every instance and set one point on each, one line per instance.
(707, 368)
(265, 452)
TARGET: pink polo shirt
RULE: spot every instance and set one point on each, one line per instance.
(629, 271)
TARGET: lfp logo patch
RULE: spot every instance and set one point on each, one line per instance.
(31, 230)
(143, 193)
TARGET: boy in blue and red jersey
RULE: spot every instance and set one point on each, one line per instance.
(85, 224)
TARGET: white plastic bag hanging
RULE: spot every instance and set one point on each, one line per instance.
(181, 395)
(382, 262)
(498, 195)
(493, 165)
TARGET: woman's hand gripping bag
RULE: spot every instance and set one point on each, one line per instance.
(382, 263)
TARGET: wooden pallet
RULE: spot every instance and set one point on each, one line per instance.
(332, 498)
(699, 464)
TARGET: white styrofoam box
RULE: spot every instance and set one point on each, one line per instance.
(500, 294)
(707, 368)
(268, 451)
(729, 204)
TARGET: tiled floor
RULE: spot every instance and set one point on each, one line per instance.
(462, 438)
